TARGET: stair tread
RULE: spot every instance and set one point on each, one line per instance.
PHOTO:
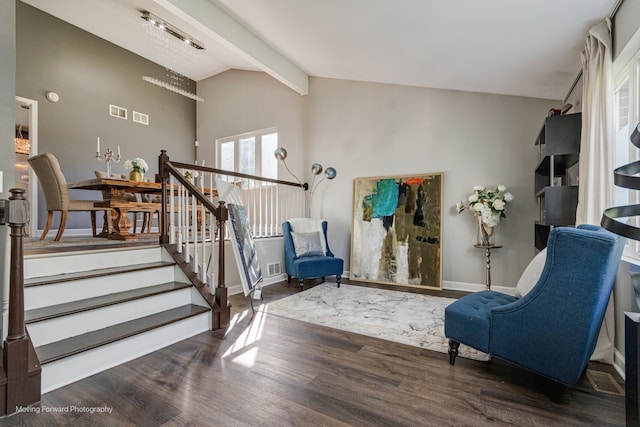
(50, 312)
(67, 277)
(57, 350)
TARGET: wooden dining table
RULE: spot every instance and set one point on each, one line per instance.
(113, 191)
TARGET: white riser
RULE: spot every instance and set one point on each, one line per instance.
(58, 293)
(65, 371)
(60, 328)
(65, 262)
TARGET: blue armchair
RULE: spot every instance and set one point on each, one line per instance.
(553, 329)
(309, 256)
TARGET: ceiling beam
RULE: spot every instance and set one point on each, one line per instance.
(209, 18)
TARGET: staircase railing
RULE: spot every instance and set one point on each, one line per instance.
(192, 226)
(21, 385)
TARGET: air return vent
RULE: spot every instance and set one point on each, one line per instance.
(273, 269)
(119, 112)
(141, 118)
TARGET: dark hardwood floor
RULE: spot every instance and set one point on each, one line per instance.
(272, 371)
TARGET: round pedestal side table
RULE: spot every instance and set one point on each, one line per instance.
(487, 253)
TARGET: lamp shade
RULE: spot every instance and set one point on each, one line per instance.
(330, 173)
(280, 153)
(316, 168)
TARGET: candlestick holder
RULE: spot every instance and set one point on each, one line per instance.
(108, 156)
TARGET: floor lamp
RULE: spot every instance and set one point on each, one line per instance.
(626, 177)
(316, 169)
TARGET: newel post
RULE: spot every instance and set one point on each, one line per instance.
(20, 391)
(221, 294)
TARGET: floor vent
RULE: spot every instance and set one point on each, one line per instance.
(604, 382)
(273, 269)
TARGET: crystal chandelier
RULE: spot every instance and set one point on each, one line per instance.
(179, 51)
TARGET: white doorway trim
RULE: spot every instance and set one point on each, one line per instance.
(32, 104)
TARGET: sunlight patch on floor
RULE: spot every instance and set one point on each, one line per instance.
(244, 350)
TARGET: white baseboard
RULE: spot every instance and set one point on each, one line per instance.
(475, 287)
(464, 286)
(237, 289)
(619, 363)
(75, 232)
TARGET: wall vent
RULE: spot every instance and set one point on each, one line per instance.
(119, 112)
(273, 269)
(141, 118)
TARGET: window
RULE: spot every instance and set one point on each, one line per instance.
(626, 118)
(250, 153)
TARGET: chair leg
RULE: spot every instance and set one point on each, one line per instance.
(288, 278)
(48, 225)
(145, 216)
(557, 393)
(301, 284)
(63, 224)
(150, 223)
(338, 280)
(453, 351)
(93, 223)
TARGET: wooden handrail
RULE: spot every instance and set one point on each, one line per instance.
(182, 233)
(222, 309)
(239, 175)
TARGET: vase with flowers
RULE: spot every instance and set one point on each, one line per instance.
(137, 167)
(489, 207)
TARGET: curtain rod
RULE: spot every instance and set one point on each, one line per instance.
(611, 15)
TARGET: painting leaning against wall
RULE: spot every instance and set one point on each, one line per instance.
(397, 230)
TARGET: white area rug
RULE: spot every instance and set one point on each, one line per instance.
(401, 317)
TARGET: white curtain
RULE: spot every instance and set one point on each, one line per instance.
(595, 193)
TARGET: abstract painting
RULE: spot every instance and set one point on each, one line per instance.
(397, 231)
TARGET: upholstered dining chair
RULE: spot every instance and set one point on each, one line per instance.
(306, 251)
(56, 194)
(553, 329)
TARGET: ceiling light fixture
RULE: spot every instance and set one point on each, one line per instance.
(172, 88)
(170, 29)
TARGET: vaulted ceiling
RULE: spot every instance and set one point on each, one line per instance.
(513, 47)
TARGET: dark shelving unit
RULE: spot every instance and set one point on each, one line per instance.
(556, 178)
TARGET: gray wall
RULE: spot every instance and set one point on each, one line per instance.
(243, 101)
(89, 73)
(7, 133)
(367, 129)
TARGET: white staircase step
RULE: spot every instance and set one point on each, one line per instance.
(71, 262)
(88, 311)
(70, 360)
(59, 328)
(59, 289)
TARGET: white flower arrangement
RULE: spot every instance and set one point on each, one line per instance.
(136, 164)
(488, 204)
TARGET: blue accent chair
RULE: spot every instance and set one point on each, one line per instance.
(307, 267)
(553, 329)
